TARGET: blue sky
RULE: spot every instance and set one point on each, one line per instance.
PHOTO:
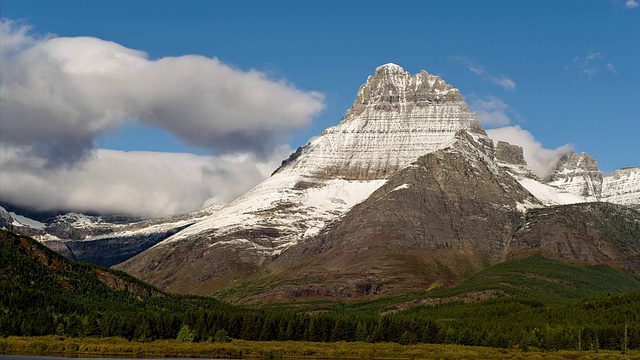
(565, 71)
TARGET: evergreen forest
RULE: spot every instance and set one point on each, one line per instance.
(43, 293)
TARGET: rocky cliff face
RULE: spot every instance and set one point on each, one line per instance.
(511, 158)
(576, 179)
(578, 174)
(622, 187)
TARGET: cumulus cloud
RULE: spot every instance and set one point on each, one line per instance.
(541, 160)
(631, 4)
(481, 71)
(590, 65)
(58, 94)
(492, 111)
(143, 184)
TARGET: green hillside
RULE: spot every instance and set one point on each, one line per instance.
(41, 292)
(533, 302)
(545, 280)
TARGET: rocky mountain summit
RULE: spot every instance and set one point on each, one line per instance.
(579, 174)
(405, 193)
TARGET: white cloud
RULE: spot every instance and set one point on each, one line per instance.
(491, 110)
(590, 65)
(480, 70)
(505, 82)
(135, 183)
(58, 94)
(631, 4)
(541, 160)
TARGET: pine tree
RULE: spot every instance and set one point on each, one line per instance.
(185, 334)
(362, 333)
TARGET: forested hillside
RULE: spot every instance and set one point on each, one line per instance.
(43, 293)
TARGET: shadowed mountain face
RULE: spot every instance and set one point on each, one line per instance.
(591, 233)
(443, 218)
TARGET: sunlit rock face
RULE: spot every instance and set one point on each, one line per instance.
(578, 174)
(622, 187)
(395, 119)
(511, 158)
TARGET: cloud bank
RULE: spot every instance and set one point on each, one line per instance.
(147, 184)
(58, 94)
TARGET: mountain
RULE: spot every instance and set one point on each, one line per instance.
(579, 174)
(407, 192)
(395, 119)
(431, 226)
(102, 240)
(622, 187)
(429, 223)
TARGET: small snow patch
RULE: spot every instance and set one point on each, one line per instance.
(403, 186)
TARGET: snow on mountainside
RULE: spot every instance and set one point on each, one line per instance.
(511, 158)
(622, 187)
(395, 119)
(578, 174)
(10, 218)
(576, 179)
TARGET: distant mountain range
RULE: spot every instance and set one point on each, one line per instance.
(406, 193)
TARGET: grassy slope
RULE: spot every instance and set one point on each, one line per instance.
(538, 279)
